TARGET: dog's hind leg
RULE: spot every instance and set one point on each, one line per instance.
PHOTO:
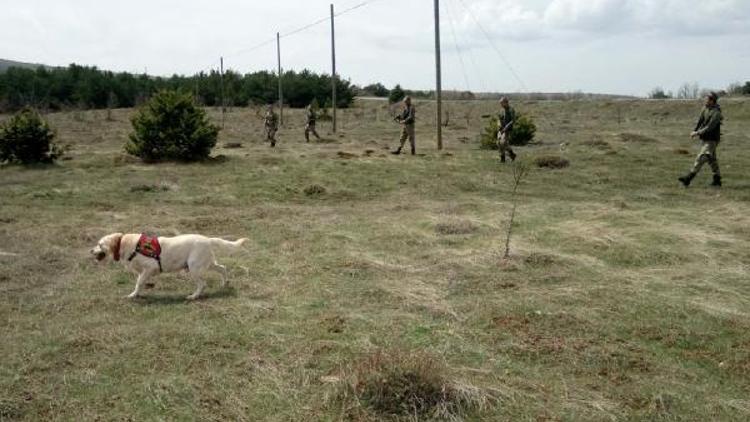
(198, 262)
(222, 270)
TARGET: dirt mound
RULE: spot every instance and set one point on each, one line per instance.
(597, 143)
(552, 162)
(161, 187)
(540, 260)
(457, 227)
(314, 190)
(346, 155)
(407, 385)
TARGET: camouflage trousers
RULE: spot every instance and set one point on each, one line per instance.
(270, 133)
(707, 155)
(503, 144)
(310, 128)
(408, 132)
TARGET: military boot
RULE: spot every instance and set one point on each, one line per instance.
(396, 152)
(413, 151)
(717, 181)
(502, 158)
(512, 155)
(686, 179)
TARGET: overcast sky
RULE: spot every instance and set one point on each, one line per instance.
(604, 46)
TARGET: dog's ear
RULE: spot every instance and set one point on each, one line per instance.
(111, 241)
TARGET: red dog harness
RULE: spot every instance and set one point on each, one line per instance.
(148, 246)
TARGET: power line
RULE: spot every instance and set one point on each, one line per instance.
(494, 47)
(458, 51)
(301, 29)
(472, 58)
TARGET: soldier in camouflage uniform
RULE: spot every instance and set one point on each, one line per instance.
(407, 118)
(708, 129)
(271, 123)
(505, 121)
(310, 126)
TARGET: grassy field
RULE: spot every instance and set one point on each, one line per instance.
(373, 284)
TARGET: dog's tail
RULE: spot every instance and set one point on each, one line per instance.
(237, 244)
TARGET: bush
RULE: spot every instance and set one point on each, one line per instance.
(658, 93)
(523, 132)
(488, 139)
(171, 127)
(377, 90)
(27, 138)
(397, 94)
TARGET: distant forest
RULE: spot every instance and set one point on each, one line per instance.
(87, 87)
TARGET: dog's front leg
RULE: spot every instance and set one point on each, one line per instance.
(142, 277)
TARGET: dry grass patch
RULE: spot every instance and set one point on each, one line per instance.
(636, 138)
(597, 142)
(398, 385)
(456, 227)
(346, 155)
(10, 409)
(552, 162)
(314, 190)
(540, 260)
(542, 336)
(145, 188)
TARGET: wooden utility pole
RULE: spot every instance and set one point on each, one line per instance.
(439, 82)
(223, 102)
(333, 59)
(281, 94)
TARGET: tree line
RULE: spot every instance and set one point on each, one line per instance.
(689, 91)
(87, 87)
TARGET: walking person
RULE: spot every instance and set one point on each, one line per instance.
(407, 118)
(708, 130)
(271, 124)
(506, 119)
(310, 126)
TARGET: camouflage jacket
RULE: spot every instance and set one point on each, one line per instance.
(311, 117)
(709, 124)
(506, 119)
(408, 116)
(271, 120)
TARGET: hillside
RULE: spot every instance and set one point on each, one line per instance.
(5, 64)
(372, 279)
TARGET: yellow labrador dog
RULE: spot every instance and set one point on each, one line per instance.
(147, 256)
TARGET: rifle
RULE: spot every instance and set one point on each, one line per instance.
(505, 129)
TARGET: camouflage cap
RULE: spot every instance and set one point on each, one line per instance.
(407, 99)
(712, 96)
(504, 100)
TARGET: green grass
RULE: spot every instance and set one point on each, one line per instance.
(626, 297)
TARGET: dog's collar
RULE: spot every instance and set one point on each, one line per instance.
(116, 252)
